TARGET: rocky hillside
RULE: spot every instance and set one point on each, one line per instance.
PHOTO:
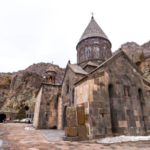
(19, 89)
(140, 55)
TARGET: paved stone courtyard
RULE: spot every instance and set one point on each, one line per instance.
(13, 136)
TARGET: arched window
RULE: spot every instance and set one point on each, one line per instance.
(67, 86)
(88, 53)
(110, 89)
(112, 110)
(50, 78)
(96, 51)
(73, 96)
(140, 95)
(103, 53)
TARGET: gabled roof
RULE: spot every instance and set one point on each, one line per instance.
(51, 69)
(77, 69)
(109, 61)
(113, 58)
(91, 64)
(93, 30)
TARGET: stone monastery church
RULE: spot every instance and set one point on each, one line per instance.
(110, 87)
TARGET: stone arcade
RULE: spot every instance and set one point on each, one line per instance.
(111, 88)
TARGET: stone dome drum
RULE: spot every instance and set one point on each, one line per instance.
(93, 45)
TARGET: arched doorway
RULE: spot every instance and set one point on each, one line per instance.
(141, 98)
(64, 118)
(112, 109)
(2, 117)
(140, 95)
(73, 96)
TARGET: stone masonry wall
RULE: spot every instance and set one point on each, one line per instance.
(48, 115)
(68, 95)
(120, 110)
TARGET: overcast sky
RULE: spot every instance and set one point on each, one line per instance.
(33, 31)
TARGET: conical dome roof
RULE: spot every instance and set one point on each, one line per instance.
(93, 30)
(51, 69)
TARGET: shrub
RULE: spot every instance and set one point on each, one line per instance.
(21, 114)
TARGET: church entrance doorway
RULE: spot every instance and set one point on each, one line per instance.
(141, 99)
(112, 109)
(64, 118)
(2, 117)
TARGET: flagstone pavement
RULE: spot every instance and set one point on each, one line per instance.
(15, 137)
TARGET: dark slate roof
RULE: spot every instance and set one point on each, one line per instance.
(93, 30)
(77, 69)
(109, 61)
(51, 69)
(91, 64)
(114, 57)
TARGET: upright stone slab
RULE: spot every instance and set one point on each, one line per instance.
(71, 117)
(82, 131)
(71, 131)
(81, 115)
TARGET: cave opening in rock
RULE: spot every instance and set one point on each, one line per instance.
(2, 117)
(26, 108)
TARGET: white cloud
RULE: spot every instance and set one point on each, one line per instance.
(33, 31)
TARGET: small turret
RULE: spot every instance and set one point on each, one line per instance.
(50, 75)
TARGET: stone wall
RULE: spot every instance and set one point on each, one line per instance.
(10, 116)
(60, 114)
(37, 108)
(48, 109)
(68, 94)
(93, 49)
(118, 101)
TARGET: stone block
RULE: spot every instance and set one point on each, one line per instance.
(123, 124)
(81, 115)
(82, 131)
(74, 138)
(71, 131)
(71, 117)
(137, 124)
(102, 111)
(65, 138)
(96, 104)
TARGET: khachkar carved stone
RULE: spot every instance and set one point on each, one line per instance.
(82, 131)
(81, 115)
(71, 117)
(81, 121)
(72, 131)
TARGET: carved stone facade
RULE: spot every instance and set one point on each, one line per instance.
(96, 50)
(113, 91)
(115, 99)
(93, 45)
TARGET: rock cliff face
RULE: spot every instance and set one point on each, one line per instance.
(20, 88)
(140, 55)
